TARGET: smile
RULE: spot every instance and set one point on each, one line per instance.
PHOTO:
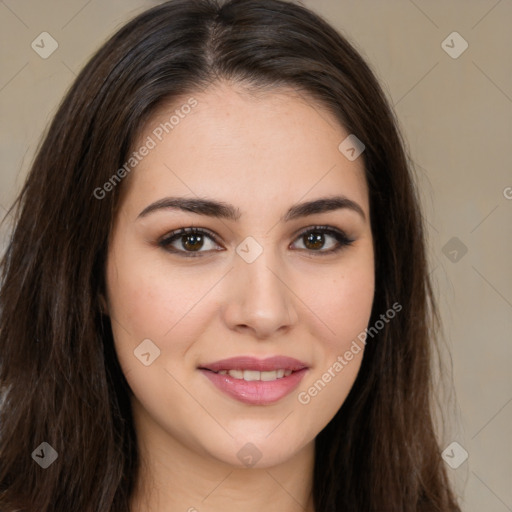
(252, 375)
(255, 381)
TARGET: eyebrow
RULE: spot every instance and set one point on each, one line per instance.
(221, 210)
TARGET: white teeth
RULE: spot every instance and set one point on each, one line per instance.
(269, 375)
(251, 375)
(236, 374)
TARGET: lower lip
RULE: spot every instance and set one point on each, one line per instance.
(256, 392)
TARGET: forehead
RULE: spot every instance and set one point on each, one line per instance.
(273, 146)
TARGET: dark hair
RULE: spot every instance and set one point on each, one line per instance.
(59, 374)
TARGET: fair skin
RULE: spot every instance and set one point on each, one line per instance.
(262, 155)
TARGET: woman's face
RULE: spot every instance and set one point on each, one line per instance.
(258, 282)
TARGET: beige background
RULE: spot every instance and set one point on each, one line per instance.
(456, 114)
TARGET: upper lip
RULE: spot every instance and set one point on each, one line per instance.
(252, 363)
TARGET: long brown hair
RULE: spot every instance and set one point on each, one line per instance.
(59, 376)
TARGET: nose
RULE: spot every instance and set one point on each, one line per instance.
(260, 300)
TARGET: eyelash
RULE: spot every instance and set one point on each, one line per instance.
(342, 239)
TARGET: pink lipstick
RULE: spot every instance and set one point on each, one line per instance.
(256, 381)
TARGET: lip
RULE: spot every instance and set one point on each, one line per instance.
(252, 363)
(255, 392)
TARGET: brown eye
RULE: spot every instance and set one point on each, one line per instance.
(192, 242)
(188, 242)
(316, 238)
(314, 241)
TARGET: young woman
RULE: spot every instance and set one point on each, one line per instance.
(216, 293)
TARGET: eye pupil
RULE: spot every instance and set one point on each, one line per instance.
(197, 242)
(314, 241)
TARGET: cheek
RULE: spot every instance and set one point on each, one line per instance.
(344, 303)
(344, 310)
(150, 300)
(348, 311)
